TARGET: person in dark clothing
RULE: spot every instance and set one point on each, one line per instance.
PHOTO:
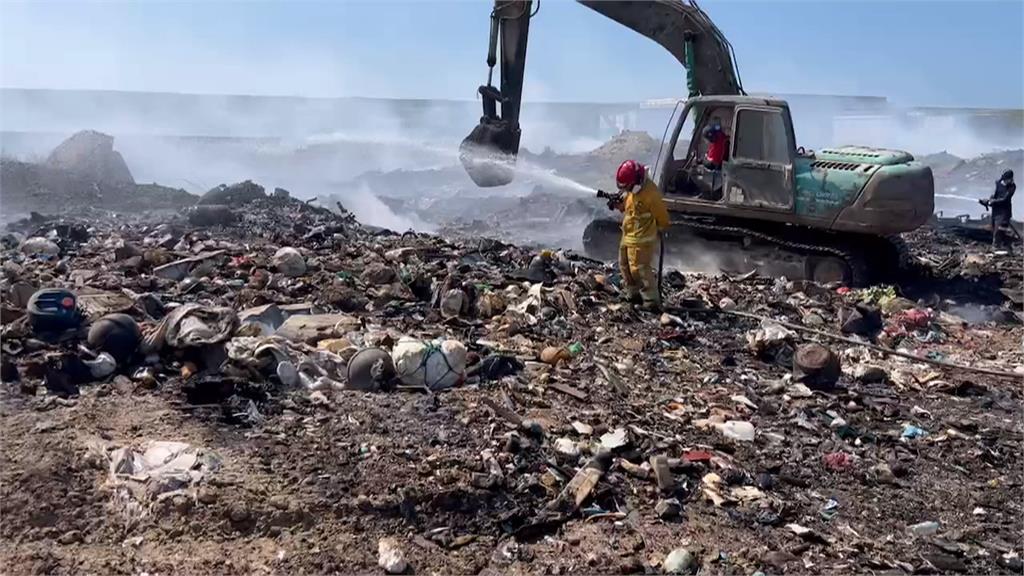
(1001, 204)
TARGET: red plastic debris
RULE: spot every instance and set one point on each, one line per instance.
(838, 461)
(697, 456)
(914, 318)
(843, 290)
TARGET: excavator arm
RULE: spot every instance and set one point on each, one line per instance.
(489, 152)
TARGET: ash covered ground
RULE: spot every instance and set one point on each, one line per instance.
(564, 431)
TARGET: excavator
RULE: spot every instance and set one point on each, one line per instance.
(834, 215)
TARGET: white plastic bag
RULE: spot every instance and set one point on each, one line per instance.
(289, 262)
(436, 365)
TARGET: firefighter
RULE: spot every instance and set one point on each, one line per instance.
(645, 215)
(1001, 205)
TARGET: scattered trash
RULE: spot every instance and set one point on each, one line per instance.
(102, 366)
(192, 325)
(838, 461)
(862, 319)
(390, 556)
(869, 374)
(453, 303)
(737, 430)
(581, 428)
(579, 417)
(370, 369)
(771, 341)
(268, 317)
(668, 508)
(155, 469)
(663, 474)
(554, 355)
(39, 247)
(615, 439)
(910, 431)
(679, 561)
(496, 367)
(196, 266)
(53, 310)
(830, 509)
(567, 447)
(806, 533)
(816, 366)
(117, 334)
(312, 328)
(924, 528)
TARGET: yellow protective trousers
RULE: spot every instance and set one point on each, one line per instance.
(637, 265)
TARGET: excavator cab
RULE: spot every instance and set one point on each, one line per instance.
(757, 169)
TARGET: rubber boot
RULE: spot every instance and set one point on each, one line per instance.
(652, 306)
(631, 296)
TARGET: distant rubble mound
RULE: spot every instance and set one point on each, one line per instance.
(596, 168)
(941, 163)
(973, 176)
(84, 171)
(91, 155)
(628, 144)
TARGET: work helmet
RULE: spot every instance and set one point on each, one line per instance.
(629, 174)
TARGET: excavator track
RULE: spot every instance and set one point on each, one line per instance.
(821, 259)
(858, 275)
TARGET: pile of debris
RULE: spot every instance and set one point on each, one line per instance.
(317, 396)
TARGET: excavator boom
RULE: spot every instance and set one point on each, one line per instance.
(490, 150)
(669, 23)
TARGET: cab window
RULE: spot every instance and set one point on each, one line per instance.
(761, 135)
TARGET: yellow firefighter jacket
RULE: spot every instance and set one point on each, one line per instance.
(645, 215)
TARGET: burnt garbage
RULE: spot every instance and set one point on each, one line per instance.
(465, 393)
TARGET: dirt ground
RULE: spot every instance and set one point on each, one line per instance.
(314, 489)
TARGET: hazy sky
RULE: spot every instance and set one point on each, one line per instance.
(946, 53)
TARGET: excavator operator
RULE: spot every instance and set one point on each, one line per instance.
(645, 215)
(718, 143)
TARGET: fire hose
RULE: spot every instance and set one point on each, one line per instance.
(661, 262)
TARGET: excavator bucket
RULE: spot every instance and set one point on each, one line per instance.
(489, 153)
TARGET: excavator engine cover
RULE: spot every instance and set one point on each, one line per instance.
(489, 153)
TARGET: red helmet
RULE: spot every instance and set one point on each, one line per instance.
(629, 174)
